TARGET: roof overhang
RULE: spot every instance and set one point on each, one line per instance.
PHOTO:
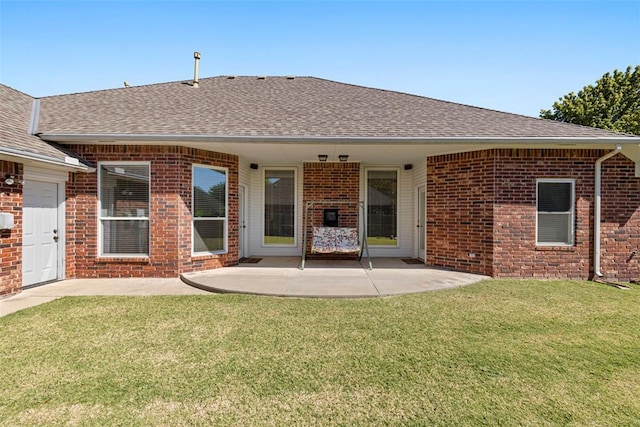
(70, 164)
(369, 150)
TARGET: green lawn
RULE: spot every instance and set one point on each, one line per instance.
(381, 241)
(494, 353)
(278, 240)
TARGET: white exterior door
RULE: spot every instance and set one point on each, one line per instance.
(422, 218)
(39, 232)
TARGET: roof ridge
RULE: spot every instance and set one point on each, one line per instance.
(183, 81)
(16, 90)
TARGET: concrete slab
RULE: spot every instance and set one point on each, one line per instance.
(274, 276)
(90, 287)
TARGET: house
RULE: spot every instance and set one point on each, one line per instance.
(164, 179)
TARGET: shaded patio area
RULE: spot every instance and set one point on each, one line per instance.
(281, 276)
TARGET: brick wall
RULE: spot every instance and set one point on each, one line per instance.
(515, 250)
(620, 220)
(485, 203)
(170, 218)
(11, 240)
(460, 211)
(331, 181)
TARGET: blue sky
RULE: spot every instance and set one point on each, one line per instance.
(515, 56)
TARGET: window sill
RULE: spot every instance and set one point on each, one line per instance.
(130, 260)
(199, 257)
(556, 248)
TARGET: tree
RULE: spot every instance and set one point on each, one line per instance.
(613, 103)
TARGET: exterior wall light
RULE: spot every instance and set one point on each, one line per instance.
(323, 157)
(9, 180)
(343, 157)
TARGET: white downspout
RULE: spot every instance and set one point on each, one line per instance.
(596, 210)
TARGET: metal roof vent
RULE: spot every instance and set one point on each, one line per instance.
(231, 77)
(196, 56)
(262, 77)
(291, 77)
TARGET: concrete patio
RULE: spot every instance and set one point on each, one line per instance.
(281, 276)
(271, 276)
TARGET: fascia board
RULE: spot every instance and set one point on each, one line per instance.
(141, 138)
(22, 157)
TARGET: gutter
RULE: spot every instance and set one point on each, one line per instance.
(287, 139)
(71, 164)
(597, 210)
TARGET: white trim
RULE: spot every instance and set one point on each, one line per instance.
(572, 212)
(422, 255)
(20, 156)
(365, 194)
(110, 138)
(295, 206)
(243, 247)
(100, 218)
(224, 219)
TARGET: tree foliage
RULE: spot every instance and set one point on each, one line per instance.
(613, 103)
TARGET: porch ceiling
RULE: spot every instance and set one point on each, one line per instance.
(390, 153)
(372, 154)
(370, 151)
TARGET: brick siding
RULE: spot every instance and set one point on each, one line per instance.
(11, 240)
(460, 211)
(620, 220)
(170, 213)
(492, 213)
(331, 181)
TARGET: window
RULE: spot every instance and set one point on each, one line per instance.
(209, 210)
(382, 207)
(279, 207)
(124, 209)
(555, 213)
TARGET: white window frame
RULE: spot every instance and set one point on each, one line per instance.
(295, 206)
(225, 219)
(108, 218)
(398, 204)
(571, 212)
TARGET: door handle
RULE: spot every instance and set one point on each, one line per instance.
(55, 235)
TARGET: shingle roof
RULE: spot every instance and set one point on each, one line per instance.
(285, 107)
(15, 139)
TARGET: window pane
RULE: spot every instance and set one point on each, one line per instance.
(554, 228)
(208, 235)
(124, 191)
(554, 196)
(209, 193)
(125, 237)
(382, 208)
(279, 207)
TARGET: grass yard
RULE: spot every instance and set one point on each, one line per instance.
(494, 353)
(381, 241)
(279, 240)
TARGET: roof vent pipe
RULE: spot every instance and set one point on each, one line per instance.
(196, 56)
(597, 210)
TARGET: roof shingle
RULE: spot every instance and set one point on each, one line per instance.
(286, 107)
(15, 118)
